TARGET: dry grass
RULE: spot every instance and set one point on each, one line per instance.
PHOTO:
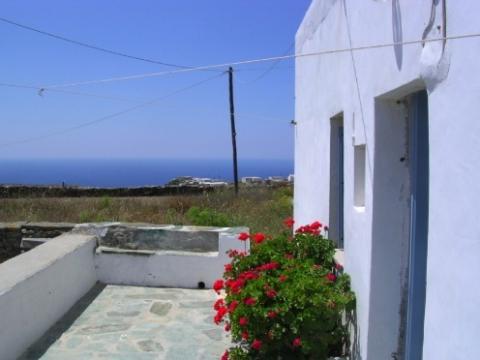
(261, 209)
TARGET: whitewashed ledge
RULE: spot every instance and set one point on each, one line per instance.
(38, 287)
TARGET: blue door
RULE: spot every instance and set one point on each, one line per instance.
(418, 244)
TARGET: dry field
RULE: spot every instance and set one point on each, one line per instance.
(261, 209)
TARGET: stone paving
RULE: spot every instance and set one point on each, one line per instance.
(126, 322)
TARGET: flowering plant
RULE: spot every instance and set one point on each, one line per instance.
(285, 299)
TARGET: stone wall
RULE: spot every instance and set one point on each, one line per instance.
(11, 235)
(18, 191)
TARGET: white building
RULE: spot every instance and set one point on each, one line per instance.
(388, 153)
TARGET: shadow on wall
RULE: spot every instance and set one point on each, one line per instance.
(62, 325)
(397, 32)
(355, 353)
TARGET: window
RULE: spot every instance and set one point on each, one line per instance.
(359, 176)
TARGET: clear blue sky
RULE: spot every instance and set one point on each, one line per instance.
(193, 124)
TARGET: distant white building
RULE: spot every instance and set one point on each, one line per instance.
(388, 153)
(252, 180)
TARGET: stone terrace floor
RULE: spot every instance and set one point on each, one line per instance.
(126, 322)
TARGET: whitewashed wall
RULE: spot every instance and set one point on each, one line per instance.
(375, 246)
(37, 288)
(184, 269)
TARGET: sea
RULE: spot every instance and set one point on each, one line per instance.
(131, 172)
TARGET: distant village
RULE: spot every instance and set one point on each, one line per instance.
(247, 180)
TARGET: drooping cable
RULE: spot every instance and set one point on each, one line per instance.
(108, 117)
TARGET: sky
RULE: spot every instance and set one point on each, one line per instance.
(193, 123)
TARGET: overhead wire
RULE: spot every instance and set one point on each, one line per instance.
(40, 92)
(110, 116)
(90, 46)
(269, 69)
(259, 60)
(108, 97)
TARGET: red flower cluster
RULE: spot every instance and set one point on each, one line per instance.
(243, 321)
(288, 222)
(218, 285)
(233, 253)
(331, 277)
(250, 301)
(268, 266)
(243, 236)
(256, 344)
(272, 314)
(221, 312)
(314, 228)
(228, 267)
(258, 238)
(297, 342)
(218, 304)
(271, 293)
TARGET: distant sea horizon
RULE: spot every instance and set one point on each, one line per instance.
(131, 172)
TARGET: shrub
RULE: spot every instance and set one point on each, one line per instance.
(207, 217)
(285, 299)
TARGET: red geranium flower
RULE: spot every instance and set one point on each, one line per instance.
(297, 342)
(331, 277)
(316, 225)
(256, 344)
(245, 335)
(233, 305)
(271, 293)
(258, 238)
(243, 321)
(224, 356)
(272, 314)
(243, 236)
(218, 285)
(288, 222)
(228, 326)
(228, 267)
(283, 278)
(221, 312)
(250, 301)
(218, 304)
(268, 266)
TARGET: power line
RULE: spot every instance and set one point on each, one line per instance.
(90, 46)
(123, 99)
(253, 61)
(270, 68)
(40, 92)
(107, 117)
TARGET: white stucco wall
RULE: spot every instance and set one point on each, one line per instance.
(375, 246)
(166, 268)
(38, 287)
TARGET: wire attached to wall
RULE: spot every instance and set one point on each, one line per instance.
(259, 60)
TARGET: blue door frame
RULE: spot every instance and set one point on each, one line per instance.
(418, 244)
(340, 187)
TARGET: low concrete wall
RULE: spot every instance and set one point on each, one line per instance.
(164, 255)
(11, 235)
(38, 287)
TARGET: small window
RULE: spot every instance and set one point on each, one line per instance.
(359, 176)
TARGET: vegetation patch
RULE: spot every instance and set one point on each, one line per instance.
(286, 299)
